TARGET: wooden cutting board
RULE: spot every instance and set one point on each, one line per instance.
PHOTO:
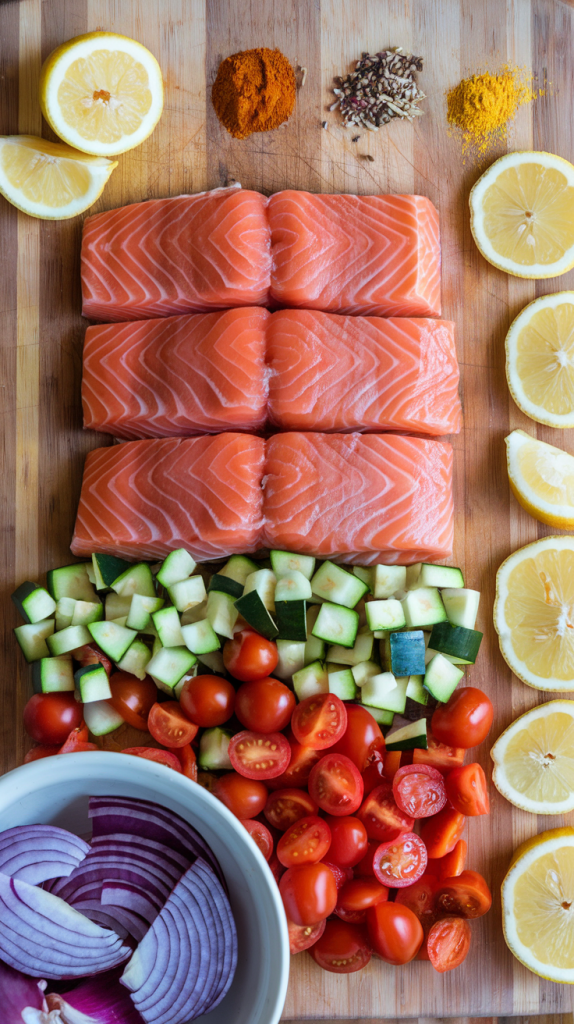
(43, 446)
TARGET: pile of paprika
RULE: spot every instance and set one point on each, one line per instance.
(254, 91)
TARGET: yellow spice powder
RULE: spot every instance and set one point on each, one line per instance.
(481, 106)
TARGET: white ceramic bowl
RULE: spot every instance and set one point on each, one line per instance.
(54, 790)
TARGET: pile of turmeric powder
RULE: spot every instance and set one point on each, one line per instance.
(482, 106)
(254, 91)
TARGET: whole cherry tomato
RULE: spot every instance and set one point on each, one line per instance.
(50, 717)
(299, 768)
(442, 832)
(285, 806)
(465, 719)
(319, 721)
(342, 948)
(259, 756)
(420, 898)
(466, 895)
(361, 893)
(419, 790)
(349, 840)
(365, 866)
(341, 875)
(362, 737)
(380, 815)
(245, 798)
(448, 943)
(276, 867)
(302, 936)
(396, 933)
(466, 790)
(264, 705)
(309, 893)
(260, 835)
(132, 698)
(305, 842)
(207, 700)
(335, 783)
(169, 725)
(250, 656)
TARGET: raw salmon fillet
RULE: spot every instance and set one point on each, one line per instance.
(359, 498)
(177, 376)
(142, 499)
(341, 373)
(180, 255)
(376, 255)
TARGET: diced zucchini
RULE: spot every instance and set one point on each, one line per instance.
(86, 612)
(213, 661)
(436, 576)
(93, 683)
(341, 682)
(251, 606)
(338, 586)
(311, 680)
(416, 690)
(187, 593)
(136, 659)
(200, 637)
(176, 567)
(53, 675)
(168, 626)
(92, 576)
(423, 607)
(176, 692)
(365, 670)
(117, 606)
(395, 699)
(456, 641)
(33, 602)
(65, 612)
(140, 610)
(292, 586)
(461, 606)
(361, 650)
(442, 677)
(156, 646)
(69, 639)
(314, 648)
(283, 562)
(411, 737)
(375, 690)
(214, 750)
(101, 718)
(71, 581)
(385, 614)
(169, 665)
(221, 612)
(291, 618)
(407, 653)
(365, 574)
(113, 639)
(106, 569)
(226, 585)
(291, 658)
(387, 580)
(238, 568)
(412, 575)
(121, 621)
(262, 582)
(337, 625)
(135, 580)
(381, 715)
(194, 614)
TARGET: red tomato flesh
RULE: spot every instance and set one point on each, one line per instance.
(152, 754)
(50, 717)
(41, 750)
(442, 832)
(342, 949)
(309, 893)
(188, 761)
(419, 790)
(349, 840)
(91, 654)
(286, 806)
(336, 785)
(396, 933)
(467, 791)
(465, 719)
(448, 943)
(392, 763)
(466, 895)
(302, 936)
(132, 698)
(250, 656)
(299, 768)
(264, 705)
(207, 700)
(380, 815)
(260, 835)
(305, 842)
(259, 756)
(451, 864)
(400, 862)
(319, 721)
(439, 755)
(245, 798)
(374, 773)
(169, 725)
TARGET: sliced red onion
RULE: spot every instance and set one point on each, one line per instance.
(35, 853)
(123, 922)
(123, 853)
(131, 897)
(97, 869)
(44, 937)
(101, 1000)
(178, 861)
(18, 992)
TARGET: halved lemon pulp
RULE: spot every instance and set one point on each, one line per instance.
(534, 759)
(542, 479)
(540, 360)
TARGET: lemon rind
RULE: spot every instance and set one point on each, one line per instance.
(534, 412)
(498, 751)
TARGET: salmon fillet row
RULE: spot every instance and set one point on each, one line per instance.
(373, 255)
(354, 498)
(247, 369)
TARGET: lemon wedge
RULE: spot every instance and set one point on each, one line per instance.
(534, 759)
(542, 479)
(522, 214)
(538, 905)
(102, 93)
(49, 180)
(534, 613)
(540, 360)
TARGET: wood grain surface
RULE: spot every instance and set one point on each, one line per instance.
(43, 446)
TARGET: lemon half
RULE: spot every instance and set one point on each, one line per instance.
(534, 759)
(538, 905)
(49, 180)
(534, 613)
(522, 214)
(542, 479)
(540, 360)
(102, 93)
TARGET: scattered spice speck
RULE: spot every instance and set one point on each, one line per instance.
(323, 124)
(367, 156)
(355, 138)
(481, 107)
(381, 88)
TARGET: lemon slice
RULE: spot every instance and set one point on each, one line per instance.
(538, 905)
(50, 180)
(542, 479)
(522, 214)
(101, 93)
(534, 613)
(540, 360)
(534, 759)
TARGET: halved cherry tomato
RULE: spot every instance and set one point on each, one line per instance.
(187, 759)
(365, 866)
(374, 773)
(419, 790)
(207, 700)
(153, 754)
(362, 893)
(245, 798)
(132, 698)
(91, 654)
(466, 790)
(396, 933)
(276, 867)
(336, 785)
(286, 806)
(420, 898)
(448, 943)
(380, 815)
(466, 895)
(348, 840)
(50, 717)
(299, 768)
(400, 862)
(361, 739)
(309, 893)
(439, 755)
(302, 936)
(250, 656)
(391, 763)
(75, 738)
(465, 719)
(264, 705)
(319, 721)
(41, 750)
(259, 756)
(305, 842)
(342, 949)
(442, 832)
(260, 835)
(351, 916)
(341, 875)
(451, 864)
(170, 726)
